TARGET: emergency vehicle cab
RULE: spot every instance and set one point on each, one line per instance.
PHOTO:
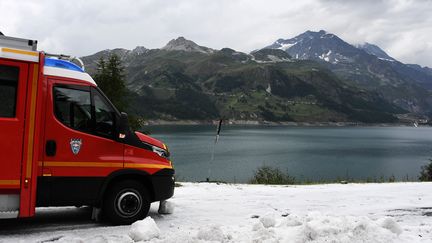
(63, 143)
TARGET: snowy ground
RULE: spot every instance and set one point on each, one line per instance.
(396, 212)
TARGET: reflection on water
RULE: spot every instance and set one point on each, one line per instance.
(307, 153)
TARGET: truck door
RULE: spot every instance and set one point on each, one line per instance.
(13, 83)
(80, 146)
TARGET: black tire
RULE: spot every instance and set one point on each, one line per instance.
(126, 202)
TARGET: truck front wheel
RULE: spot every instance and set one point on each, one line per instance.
(126, 202)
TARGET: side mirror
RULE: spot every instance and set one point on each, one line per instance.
(123, 125)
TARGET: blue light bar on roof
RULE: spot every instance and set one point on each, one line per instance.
(52, 62)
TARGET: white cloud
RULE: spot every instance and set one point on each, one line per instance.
(403, 28)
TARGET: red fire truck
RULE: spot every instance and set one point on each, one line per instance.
(63, 143)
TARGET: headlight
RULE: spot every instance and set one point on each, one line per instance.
(161, 152)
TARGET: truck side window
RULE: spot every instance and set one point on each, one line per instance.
(104, 115)
(8, 90)
(73, 108)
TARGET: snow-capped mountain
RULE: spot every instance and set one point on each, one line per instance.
(366, 63)
(182, 44)
(366, 66)
(317, 46)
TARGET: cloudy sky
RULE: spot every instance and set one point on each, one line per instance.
(403, 28)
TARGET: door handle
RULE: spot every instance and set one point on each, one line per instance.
(50, 148)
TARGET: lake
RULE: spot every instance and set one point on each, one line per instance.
(308, 153)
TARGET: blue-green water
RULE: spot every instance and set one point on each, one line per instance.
(315, 153)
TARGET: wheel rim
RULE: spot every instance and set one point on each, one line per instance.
(128, 203)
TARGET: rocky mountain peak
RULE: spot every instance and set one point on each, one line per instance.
(375, 50)
(183, 44)
(139, 50)
(320, 45)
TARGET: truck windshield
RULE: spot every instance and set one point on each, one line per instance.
(104, 115)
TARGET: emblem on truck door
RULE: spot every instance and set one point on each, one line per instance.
(75, 145)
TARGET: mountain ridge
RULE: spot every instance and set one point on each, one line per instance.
(368, 66)
(200, 83)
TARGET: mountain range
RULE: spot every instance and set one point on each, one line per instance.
(313, 77)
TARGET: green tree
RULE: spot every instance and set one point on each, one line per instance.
(110, 78)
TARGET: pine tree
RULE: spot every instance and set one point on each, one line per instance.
(111, 80)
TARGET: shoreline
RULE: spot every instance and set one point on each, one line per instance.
(158, 122)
